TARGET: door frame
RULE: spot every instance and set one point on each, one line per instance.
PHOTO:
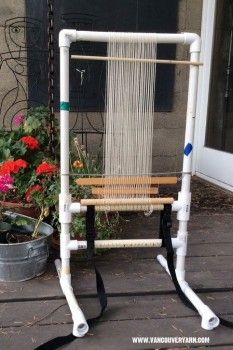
(207, 37)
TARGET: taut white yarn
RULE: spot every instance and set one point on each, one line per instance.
(130, 89)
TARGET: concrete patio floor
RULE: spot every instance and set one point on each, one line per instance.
(142, 300)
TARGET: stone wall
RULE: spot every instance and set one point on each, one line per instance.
(13, 63)
(169, 127)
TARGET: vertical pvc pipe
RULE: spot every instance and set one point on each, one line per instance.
(64, 118)
(80, 327)
(190, 121)
(64, 157)
(185, 195)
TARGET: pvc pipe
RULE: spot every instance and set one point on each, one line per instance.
(80, 327)
(67, 36)
(209, 319)
(64, 120)
(176, 206)
(122, 243)
(184, 196)
(190, 119)
(181, 251)
(64, 241)
(76, 207)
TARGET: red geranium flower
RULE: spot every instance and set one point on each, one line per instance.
(30, 190)
(21, 163)
(46, 168)
(30, 142)
(11, 166)
(8, 167)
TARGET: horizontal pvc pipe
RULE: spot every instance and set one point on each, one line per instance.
(76, 207)
(67, 36)
(176, 206)
(80, 327)
(122, 243)
(209, 319)
(182, 38)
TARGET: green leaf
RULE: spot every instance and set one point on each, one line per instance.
(31, 124)
(21, 222)
(6, 153)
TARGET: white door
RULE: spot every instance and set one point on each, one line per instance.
(214, 128)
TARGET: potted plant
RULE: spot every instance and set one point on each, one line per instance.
(23, 255)
(29, 177)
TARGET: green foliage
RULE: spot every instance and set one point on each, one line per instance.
(21, 221)
(36, 124)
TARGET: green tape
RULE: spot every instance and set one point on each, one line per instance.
(64, 106)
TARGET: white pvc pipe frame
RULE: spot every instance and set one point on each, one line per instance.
(182, 206)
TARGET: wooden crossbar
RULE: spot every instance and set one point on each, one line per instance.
(99, 191)
(126, 201)
(129, 59)
(131, 207)
(128, 243)
(134, 180)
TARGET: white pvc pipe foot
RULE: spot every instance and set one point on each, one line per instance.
(163, 262)
(80, 327)
(209, 319)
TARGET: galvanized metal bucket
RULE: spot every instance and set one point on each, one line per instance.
(23, 261)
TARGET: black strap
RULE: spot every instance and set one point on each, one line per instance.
(56, 343)
(90, 237)
(167, 243)
(166, 224)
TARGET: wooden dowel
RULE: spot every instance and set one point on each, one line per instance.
(129, 59)
(128, 243)
(133, 180)
(151, 207)
(123, 190)
(126, 201)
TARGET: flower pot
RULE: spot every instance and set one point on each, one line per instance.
(20, 208)
(23, 261)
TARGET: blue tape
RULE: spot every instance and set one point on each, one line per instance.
(188, 149)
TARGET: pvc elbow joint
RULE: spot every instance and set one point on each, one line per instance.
(193, 40)
(66, 37)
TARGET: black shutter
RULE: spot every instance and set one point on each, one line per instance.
(103, 15)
